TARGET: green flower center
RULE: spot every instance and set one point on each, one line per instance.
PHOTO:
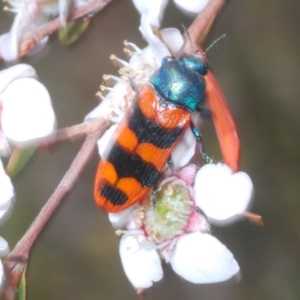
(171, 213)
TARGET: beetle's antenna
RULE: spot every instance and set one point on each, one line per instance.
(214, 43)
(189, 38)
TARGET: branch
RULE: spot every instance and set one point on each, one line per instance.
(16, 262)
(71, 133)
(202, 23)
(34, 37)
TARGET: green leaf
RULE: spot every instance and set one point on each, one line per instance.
(21, 293)
(72, 31)
(19, 159)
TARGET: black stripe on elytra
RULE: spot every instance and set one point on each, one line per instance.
(114, 195)
(130, 165)
(148, 131)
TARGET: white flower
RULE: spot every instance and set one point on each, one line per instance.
(191, 7)
(155, 9)
(201, 258)
(177, 230)
(6, 198)
(143, 261)
(26, 110)
(151, 15)
(30, 15)
(6, 194)
(222, 194)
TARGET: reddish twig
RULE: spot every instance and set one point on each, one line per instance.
(202, 23)
(16, 261)
(34, 37)
(69, 134)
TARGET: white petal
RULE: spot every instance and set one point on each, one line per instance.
(120, 219)
(27, 110)
(154, 9)
(18, 71)
(4, 248)
(64, 10)
(6, 196)
(158, 48)
(222, 195)
(113, 105)
(5, 211)
(7, 191)
(174, 39)
(153, 54)
(201, 258)
(141, 264)
(4, 144)
(9, 42)
(191, 7)
(2, 277)
(184, 151)
(104, 142)
(99, 111)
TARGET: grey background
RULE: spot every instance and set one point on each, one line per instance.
(77, 255)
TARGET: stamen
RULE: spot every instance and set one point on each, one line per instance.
(166, 180)
(9, 9)
(107, 88)
(189, 202)
(111, 79)
(118, 62)
(182, 211)
(179, 220)
(102, 88)
(119, 232)
(133, 46)
(100, 95)
(169, 190)
(178, 181)
(141, 215)
(124, 78)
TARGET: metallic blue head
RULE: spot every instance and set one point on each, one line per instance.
(181, 81)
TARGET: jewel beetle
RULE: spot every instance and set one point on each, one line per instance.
(144, 140)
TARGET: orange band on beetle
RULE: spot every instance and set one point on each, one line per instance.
(107, 172)
(172, 117)
(129, 186)
(148, 102)
(127, 139)
(152, 154)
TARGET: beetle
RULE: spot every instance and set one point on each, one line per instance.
(143, 142)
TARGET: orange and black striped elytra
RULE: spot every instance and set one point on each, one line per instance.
(144, 140)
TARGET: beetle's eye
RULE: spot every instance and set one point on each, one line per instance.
(195, 63)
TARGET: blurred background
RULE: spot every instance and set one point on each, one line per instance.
(258, 70)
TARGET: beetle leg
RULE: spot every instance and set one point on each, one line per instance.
(204, 111)
(133, 85)
(170, 164)
(198, 136)
(153, 196)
